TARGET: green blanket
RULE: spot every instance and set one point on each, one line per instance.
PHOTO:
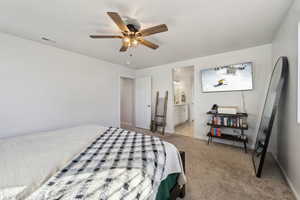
(166, 186)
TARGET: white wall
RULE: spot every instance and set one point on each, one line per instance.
(161, 79)
(261, 58)
(127, 101)
(287, 149)
(45, 88)
(254, 99)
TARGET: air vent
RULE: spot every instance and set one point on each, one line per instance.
(47, 40)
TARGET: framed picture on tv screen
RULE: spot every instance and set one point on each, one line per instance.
(234, 77)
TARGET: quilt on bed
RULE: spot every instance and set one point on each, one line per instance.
(119, 164)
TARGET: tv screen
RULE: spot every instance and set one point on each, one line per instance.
(227, 78)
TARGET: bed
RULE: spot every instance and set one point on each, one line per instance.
(94, 162)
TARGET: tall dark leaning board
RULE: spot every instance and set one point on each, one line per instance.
(276, 84)
(233, 121)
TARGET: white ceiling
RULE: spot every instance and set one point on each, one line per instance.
(196, 27)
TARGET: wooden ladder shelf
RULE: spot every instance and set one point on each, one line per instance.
(159, 120)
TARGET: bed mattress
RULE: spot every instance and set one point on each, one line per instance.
(116, 164)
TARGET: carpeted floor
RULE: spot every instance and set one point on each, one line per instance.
(186, 129)
(222, 172)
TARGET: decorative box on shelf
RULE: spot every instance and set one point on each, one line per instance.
(227, 109)
(219, 121)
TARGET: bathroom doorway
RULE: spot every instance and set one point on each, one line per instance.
(183, 87)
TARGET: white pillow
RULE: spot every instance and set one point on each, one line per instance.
(11, 193)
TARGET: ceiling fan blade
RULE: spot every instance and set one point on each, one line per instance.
(105, 36)
(119, 22)
(124, 47)
(148, 44)
(154, 29)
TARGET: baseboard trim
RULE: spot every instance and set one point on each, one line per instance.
(200, 137)
(126, 124)
(169, 131)
(289, 182)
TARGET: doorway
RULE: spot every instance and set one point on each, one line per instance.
(127, 103)
(183, 86)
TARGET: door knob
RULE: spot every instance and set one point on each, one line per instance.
(148, 106)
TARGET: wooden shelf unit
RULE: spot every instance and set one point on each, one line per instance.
(228, 115)
(235, 123)
(222, 126)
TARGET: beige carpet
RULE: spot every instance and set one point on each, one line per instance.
(224, 172)
(186, 129)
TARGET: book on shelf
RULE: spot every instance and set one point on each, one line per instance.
(216, 132)
(228, 121)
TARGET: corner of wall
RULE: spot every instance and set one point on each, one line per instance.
(287, 179)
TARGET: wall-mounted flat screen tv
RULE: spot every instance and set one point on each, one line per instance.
(234, 77)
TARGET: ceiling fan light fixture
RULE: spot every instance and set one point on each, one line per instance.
(132, 34)
(126, 39)
(134, 42)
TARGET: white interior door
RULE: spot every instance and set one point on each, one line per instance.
(143, 102)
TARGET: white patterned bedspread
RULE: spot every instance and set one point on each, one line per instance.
(119, 164)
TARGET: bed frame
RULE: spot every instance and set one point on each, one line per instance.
(178, 191)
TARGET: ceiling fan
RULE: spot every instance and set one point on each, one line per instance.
(132, 34)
